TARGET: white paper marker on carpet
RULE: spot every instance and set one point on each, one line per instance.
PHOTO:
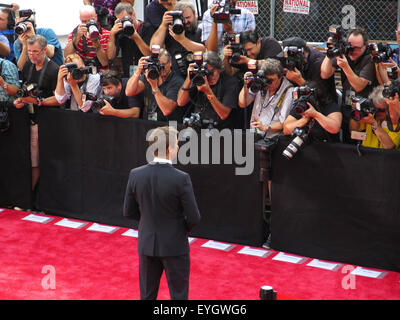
(70, 224)
(101, 228)
(255, 252)
(131, 233)
(37, 218)
(218, 245)
(289, 258)
(324, 265)
(368, 273)
(191, 240)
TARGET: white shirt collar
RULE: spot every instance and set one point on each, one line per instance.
(162, 160)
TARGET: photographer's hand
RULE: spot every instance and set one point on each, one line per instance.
(294, 76)
(178, 37)
(18, 103)
(107, 110)
(257, 124)
(310, 112)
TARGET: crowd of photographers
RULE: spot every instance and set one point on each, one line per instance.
(217, 73)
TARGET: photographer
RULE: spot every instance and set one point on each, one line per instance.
(74, 85)
(54, 50)
(304, 64)
(39, 77)
(185, 39)
(89, 39)
(375, 125)
(212, 95)
(129, 35)
(9, 82)
(164, 85)
(117, 104)
(212, 31)
(154, 12)
(272, 101)
(357, 71)
(314, 107)
(255, 48)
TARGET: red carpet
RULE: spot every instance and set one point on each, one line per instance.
(92, 265)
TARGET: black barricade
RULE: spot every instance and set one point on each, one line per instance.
(85, 161)
(15, 163)
(330, 203)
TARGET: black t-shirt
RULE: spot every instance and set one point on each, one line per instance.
(169, 88)
(130, 52)
(226, 90)
(317, 132)
(154, 13)
(125, 102)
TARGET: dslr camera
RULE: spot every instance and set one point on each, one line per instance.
(233, 39)
(381, 52)
(221, 15)
(192, 121)
(127, 26)
(293, 57)
(98, 103)
(300, 138)
(199, 71)
(153, 64)
(78, 73)
(21, 27)
(258, 80)
(93, 29)
(301, 96)
(29, 90)
(338, 46)
(178, 22)
(390, 90)
(361, 107)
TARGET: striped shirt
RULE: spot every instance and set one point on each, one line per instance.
(90, 51)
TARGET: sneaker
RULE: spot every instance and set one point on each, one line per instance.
(267, 244)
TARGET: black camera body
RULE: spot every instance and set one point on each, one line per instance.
(78, 73)
(98, 103)
(199, 71)
(338, 46)
(127, 26)
(93, 29)
(233, 39)
(293, 57)
(258, 81)
(20, 28)
(303, 95)
(178, 22)
(153, 64)
(381, 52)
(221, 15)
(29, 90)
(390, 90)
(361, 107)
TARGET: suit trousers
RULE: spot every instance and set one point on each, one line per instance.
(177, 270)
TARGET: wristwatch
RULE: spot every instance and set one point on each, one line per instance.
(154, 91)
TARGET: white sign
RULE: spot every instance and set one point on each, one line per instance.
(218, 245)
(252, 6)
(281, 256)
(297, 6)
(255, 252)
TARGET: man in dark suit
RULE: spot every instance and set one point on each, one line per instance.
(161, 198)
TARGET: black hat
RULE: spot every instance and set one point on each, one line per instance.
(294, 42)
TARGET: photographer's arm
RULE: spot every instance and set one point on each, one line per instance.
(244, 95)
(183, 94)
(158, 37)
(166, 105)
(212, 40)
(188, 44)
(331, 123)
(291, 123)
(50, 51)
(134, 86)
(222, 111)
(356, 82)
(108, 110)
(111, 47)
(327, 70)
(383, 136)
(4, 50)
(141, 44)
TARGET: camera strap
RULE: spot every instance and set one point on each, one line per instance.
(390, 124)
(42, 72)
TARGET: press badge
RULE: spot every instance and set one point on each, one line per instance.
(357, 135)
(350, 94)
(152, 116)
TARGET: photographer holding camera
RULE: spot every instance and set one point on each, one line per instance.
(75, 83)
(369, 122)
(315, 108)
(357, 69)
(129, 35)
(219, 20)
(254, 47)
(28, 26)
(179, 33)
(155, 73)
(154, 11)
(271, 93)
(209, 93)
(116, 103)
(89, 39)
(39, 77)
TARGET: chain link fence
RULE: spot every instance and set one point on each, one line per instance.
(378, 17)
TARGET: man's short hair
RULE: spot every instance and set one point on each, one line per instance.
(87, 9)
(294, 42)
(123, 6)
(69, 58)
(164, 52)
(213, 59)
(249, 36)
(163, 136)
(359, 31)
(272, 66)
(39, 39)
(183, 5)
(376, 95)
(110, 77)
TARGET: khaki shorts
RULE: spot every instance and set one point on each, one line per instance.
(34, 146)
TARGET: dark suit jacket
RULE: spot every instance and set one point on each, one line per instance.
(161, 198)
